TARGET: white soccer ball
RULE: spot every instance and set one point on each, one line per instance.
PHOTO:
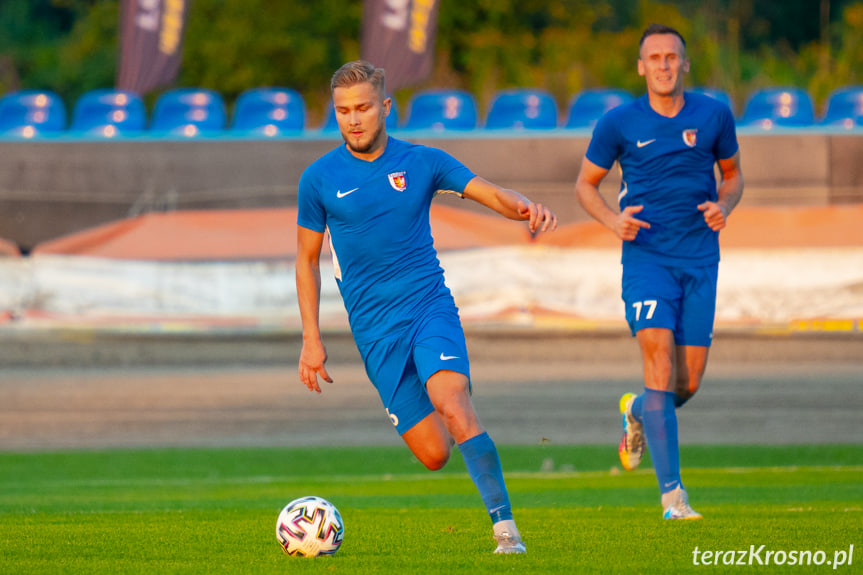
(310, 526)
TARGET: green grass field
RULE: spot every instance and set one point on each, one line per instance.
(214, 511)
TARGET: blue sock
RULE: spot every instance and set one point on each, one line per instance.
(679, 401)
(483, 465)
(660, 429)
(637, 408)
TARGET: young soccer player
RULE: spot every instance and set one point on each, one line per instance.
(373, 196)
(667, 143)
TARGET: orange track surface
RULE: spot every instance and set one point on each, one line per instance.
(750, 227)
(9, 249)
(271, 233)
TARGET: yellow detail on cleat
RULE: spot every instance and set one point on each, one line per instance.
(631, 448)
(624, 401)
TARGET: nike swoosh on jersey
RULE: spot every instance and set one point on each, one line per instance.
(341, 194)
(641, 144)
(447, 357)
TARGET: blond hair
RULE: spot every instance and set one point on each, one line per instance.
(357, 72)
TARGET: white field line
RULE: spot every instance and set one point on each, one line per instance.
(411, 477)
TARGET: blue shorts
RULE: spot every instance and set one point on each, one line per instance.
(399, 366)
(682, 299)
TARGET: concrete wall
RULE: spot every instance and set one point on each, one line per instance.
(52, 188)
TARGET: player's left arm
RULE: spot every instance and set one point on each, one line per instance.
(510, 204)
(729, 194)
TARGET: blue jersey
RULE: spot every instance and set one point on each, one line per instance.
(667, 166)
(377, 215)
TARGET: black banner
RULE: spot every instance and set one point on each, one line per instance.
(399, 36)
(151, 32)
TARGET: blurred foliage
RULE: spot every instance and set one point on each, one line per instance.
(565, 46)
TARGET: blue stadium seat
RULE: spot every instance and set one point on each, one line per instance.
(269, 112)
(522, 109)
(845, 108)
(189, 112)
(32, 113)
(331, 125)
(716, 94)
(442, 110)
(590, 105)
(771, 107)
(109, 113)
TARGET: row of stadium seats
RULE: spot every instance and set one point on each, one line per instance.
(190, 112)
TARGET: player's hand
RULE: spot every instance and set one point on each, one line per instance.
(626, 226)
(312, 359)
(714, 215)
(538, 217)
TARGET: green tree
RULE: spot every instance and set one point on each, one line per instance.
(30, 32)
(233, 46)
(87, 59)
(564, 46)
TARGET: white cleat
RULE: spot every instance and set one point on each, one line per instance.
(507, 544)
(676, 505)
(631, 448)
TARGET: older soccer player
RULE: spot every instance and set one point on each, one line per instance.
(667, 143)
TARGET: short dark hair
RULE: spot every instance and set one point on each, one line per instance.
(660, 29)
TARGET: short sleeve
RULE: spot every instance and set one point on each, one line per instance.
(605, 145)
(726, 144)
(450, 174)
(310, 210)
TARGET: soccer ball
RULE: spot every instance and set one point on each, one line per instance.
(310, 526)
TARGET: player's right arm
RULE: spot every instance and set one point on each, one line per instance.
(308, 275)
(623, 224)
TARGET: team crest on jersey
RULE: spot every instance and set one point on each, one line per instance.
(398, 181)
(689, 137)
